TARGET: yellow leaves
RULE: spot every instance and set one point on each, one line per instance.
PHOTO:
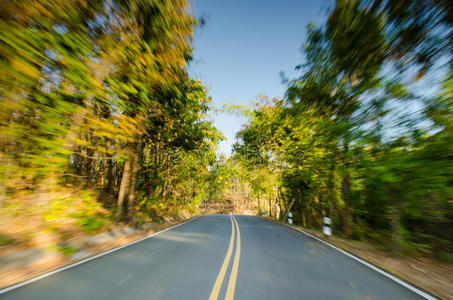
(84, 3)
(354, 79)
(41, 9)
(142, 60)
(121, 127)
(102, 149)
(25, 68)
(131, 126)
(81, 142)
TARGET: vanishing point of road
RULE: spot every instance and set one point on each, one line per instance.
(219, 257)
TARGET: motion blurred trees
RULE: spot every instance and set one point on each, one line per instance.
(364, 135)
(99, 120)
(95, 95)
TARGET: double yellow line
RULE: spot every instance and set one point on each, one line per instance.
(234, 269)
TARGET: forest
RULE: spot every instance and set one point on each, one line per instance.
(101, 123)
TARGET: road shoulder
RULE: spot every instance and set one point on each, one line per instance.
(429, 277)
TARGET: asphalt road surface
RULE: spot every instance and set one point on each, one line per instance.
(219, 257)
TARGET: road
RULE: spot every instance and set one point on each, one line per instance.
(219, 257)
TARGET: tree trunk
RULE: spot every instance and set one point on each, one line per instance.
(270, 206)
(122, 195)
(279, 202)
(238, 197)
(125, 186)
(259, 206)
(395, 222)
(289, 209)
(346, 187)
(347, 216)
(110, 177)
(77, 121)
(134, 168)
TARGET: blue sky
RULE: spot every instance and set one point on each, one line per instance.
(243, 48)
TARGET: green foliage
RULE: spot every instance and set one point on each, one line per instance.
(90, 224)
(5, 240)
(335, 146)
(90, 215)
(95, 96)
(66, 249)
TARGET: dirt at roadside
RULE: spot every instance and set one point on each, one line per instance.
(431, 275)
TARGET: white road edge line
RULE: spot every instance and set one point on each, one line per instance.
(26, 282)
(363, 262)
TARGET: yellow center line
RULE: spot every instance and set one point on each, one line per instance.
(234, 270)
(218, 283)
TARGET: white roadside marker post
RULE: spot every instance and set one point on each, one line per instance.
(290, 218)
(326, 229)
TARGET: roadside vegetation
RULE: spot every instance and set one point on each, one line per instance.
(365, 134)
(100, 123)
